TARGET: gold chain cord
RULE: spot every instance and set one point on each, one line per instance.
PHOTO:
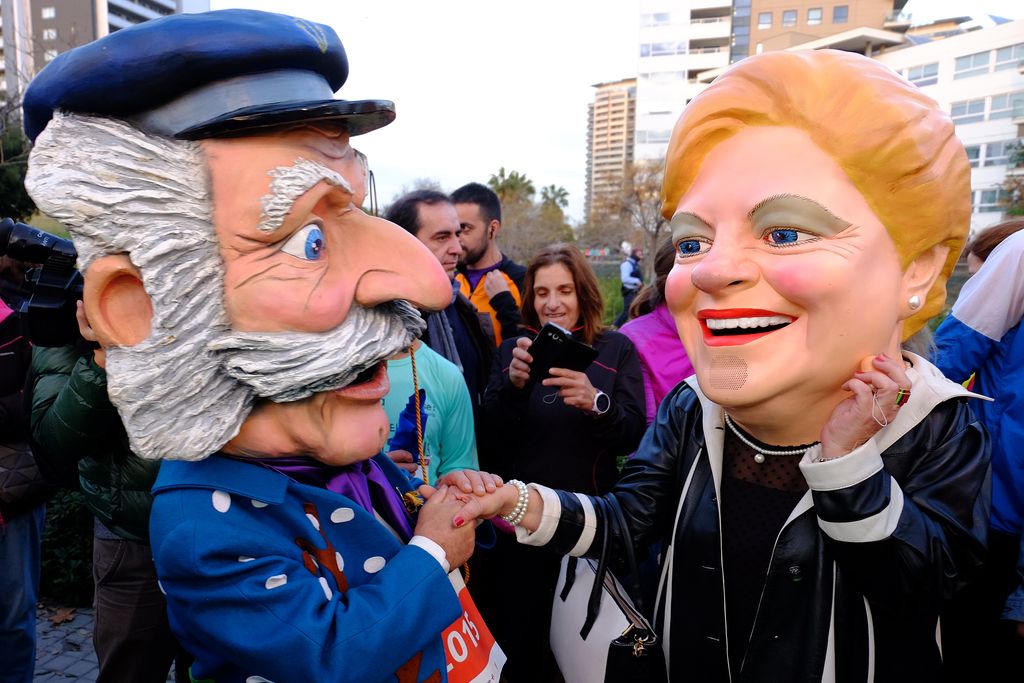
(419, 435)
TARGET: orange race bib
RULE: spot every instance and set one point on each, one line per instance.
(470, 650)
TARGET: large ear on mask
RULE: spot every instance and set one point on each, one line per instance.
(920, 275)
(116, 304)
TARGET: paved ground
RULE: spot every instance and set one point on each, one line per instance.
(64, 651)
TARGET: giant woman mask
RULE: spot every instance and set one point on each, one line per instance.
(818, 203)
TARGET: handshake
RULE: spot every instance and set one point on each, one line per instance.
(468, 496)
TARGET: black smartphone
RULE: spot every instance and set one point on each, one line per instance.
(555, 347)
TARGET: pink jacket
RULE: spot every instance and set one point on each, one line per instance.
(662, 355)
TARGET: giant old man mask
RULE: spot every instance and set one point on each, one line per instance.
(244, 299)
(818, 203)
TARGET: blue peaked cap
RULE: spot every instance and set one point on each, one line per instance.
(214, 74)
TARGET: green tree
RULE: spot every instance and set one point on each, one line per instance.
(555, 196)
(1013, 184)
(14, 147)
(511, 187)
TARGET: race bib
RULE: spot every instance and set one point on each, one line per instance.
(470, 650)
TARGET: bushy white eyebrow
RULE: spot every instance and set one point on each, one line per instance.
(287, 184)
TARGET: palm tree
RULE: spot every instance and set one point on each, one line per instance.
(511, 186)
(554, 195)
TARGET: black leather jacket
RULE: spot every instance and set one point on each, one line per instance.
(860, 571)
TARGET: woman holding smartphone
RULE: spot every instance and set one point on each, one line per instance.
(565, 430)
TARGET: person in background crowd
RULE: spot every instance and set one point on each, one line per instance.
(449, 441)
(822, 491)
(489, 279)
(982, 336)
(566, 431)
(654, 334)
(632, 279)
(455, 333)
(23, 496)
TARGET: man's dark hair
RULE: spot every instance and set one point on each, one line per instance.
(482, 196)
(405, 211)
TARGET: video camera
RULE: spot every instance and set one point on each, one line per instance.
(46, 298)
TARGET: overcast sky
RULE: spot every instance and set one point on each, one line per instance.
(480, 84)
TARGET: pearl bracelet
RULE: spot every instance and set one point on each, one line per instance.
(519, 511)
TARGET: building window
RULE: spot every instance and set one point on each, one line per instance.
(653, 136)
(971, 65)
(1009, 57)
(967, 111)
(990, 200)
(764, 19)
(840, 14)
(814, 16)
(926, 74)
(49, 55)
(656, 19)
(789, 17)
(48, 12)
(49, 34)
(973, 154)
(998, 153)
(1003, 105)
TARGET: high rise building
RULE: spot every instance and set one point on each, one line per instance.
(35, 31)
(679, 41)
(611, 119)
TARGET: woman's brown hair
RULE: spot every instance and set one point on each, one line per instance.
(653, 295)
(990, 238)
(588, 292)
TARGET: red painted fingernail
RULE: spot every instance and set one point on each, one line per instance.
(459, 521)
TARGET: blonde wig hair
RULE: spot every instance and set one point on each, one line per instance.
(896, 145)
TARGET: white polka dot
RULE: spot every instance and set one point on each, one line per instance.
(244, 558)
(276, 581)
(314, 521)
(221, 501)
(373, 564)
(258, 679)
(340, 560)
(161, 587)
(342, 515)
(258, 504)
(327, 589)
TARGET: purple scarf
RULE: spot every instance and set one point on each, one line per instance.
(364, 482)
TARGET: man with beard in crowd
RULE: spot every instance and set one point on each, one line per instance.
(245, 306)
(490, 280)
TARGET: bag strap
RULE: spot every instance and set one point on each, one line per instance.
(594, 603)
(613, 507)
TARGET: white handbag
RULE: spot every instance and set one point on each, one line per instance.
(599, 635)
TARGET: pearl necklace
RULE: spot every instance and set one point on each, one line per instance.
(760, 451)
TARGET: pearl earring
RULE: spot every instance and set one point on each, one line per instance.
(914, 302)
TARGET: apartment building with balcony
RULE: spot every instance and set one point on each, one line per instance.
(677, 42)
(611, 121)
(977, 75)
(779, 24)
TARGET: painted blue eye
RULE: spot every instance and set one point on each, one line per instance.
(691, 247)
(787, 237)
(307, 244)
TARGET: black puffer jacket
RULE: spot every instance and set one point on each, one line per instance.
(21, 485)
(74, 421)
(860, 571)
